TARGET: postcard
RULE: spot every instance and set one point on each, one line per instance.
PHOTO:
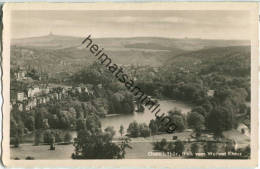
(130, 84)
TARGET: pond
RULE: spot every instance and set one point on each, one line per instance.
(144, 117)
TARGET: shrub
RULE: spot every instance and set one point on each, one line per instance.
(138, 130)
(67, 137)
(29, 158)
(161, 146)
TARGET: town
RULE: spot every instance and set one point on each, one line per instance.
(42, 93)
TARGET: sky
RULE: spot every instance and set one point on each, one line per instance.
(133, 23)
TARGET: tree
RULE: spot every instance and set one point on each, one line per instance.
(13, 126)
(121, 101)
(111, 131)
(92, 143)
(80, 124)
(133, 129)
(93, 74)
(93, 123)
(144, 130)
(39, 118)
(52, 142)
(153, 127)
(179, 122)
(33, 74)
(171, 147)
(64, 119)
(177, 118)
(57, 135)
(220, 119)
(247, 151)
(47, 136)
(121, 130)
(123, 145)
(98, 145)
(196, 121)
(30, 124)
(138, 130)
(18, 133)
(161, 145)
(206, 149)
(179, 147)
(45, 124)
(37, 137)
(207, 107)
(214, 148)
(194, 149)
(222, 94)
(200, 110)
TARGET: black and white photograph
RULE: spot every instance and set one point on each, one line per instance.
(92, 84)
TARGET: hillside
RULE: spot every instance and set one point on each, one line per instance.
(64, 54)
(233, 60)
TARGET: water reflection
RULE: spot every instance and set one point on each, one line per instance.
(145, 117)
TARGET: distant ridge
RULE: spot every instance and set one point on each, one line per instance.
(59, 54)
(53, 41)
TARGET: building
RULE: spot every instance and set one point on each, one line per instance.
(20, 96)
(242, 128)
(63, 91)
(43, 100)
(30, 104)
(51, 96)
(211, 93)
(85, 89)
(20, 106)
(33, 91)
(30, 92)
(59, 96)
(65, 94)
(47, 99)
(45, 90)
(99, 86)
(20, 75)
(34, 102)
(56, 96)
(39, 100)
(78, 89)
(13, 103)
(27, 107)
